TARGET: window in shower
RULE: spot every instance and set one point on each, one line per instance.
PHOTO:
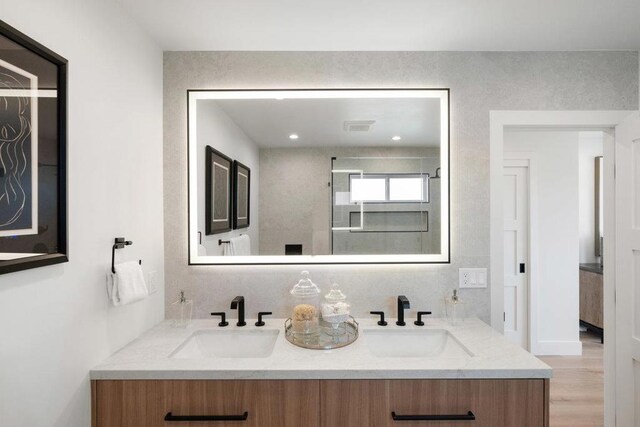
(386, 204)
(389, 188)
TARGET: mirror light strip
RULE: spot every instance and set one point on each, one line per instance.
(442, 257)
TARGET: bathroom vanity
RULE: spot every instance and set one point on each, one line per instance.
(591, 298)
(436, 374)
(365, 181)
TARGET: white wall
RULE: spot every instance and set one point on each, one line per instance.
(590, 147)
(56, 323)
(215, 128)
(556, 178)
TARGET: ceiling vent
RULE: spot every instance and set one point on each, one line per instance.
(358, 125)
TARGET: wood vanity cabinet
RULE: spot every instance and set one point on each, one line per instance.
(591, 298)
(146, 403)
(494, 403)
(326, 403)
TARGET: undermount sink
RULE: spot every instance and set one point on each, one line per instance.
(414, 343)
(228, 343)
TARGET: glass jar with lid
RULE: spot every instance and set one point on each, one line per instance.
(335, 310)
(306, 305)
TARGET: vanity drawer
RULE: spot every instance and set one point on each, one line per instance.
(494, 403)
(147, 403)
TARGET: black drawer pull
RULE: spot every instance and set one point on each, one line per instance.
(466, 417)
(171, 417)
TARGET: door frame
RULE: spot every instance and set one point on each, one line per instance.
(529, 160)
(584, 120)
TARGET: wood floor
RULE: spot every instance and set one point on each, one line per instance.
(577, 386)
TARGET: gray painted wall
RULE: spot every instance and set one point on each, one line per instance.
(479, 82)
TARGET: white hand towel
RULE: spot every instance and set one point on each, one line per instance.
(128, 284)
(228, 249)
(239, 246)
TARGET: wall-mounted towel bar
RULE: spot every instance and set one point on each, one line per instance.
(221, 242)
(120, 243)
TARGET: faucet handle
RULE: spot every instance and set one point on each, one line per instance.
(223, 315)
(260, 322)
(419, 322)
(381, 322)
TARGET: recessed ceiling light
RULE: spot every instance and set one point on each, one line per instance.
(293, 136)
(396, 138)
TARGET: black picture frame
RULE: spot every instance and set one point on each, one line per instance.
(241, 195)
(218, 204)
(47, 72)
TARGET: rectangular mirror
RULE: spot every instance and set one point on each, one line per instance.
(318, 176)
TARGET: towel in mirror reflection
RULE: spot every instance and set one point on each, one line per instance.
(238, 246)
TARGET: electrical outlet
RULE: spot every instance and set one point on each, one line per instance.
(465, 278)
(473, 278)
(152, 281)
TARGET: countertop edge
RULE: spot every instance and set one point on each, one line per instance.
(592, 268)
(448, 374)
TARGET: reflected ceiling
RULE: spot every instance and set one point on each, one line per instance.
(337, 122)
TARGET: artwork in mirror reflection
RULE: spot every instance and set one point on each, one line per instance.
(341, 176)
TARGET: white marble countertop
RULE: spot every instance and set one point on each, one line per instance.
(148, 357)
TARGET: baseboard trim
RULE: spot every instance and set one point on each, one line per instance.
(557, 348)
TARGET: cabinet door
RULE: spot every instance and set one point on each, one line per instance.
(354, 403)
(591, 298)
(493, 403)
(266, 403)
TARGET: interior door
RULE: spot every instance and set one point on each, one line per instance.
(516, 244)
(627, 267)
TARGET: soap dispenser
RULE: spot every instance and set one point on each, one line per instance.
(185, 309)
(454, 308)
(306, 304)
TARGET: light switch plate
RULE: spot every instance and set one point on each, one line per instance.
(152, 281)
(473, 278)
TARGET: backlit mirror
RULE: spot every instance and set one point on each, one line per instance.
(318, 176)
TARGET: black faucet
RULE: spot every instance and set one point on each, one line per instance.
(260, 322)
(223, 321)
(403, 303)
(381, 322)
(419, 322)
(238, 303)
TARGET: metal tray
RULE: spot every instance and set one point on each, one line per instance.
(324, 340)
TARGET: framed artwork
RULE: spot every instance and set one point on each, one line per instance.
(241, 195)
(33, 141)
(218, 188)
